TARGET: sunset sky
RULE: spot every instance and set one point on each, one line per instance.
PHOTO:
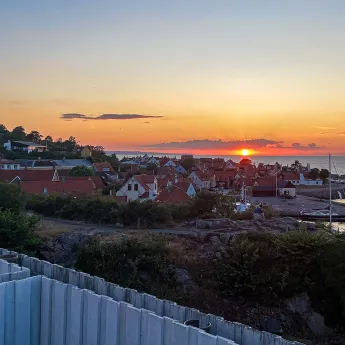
(265, 75)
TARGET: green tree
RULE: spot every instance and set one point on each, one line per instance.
(11, 197)
(324, 174)
(188, 163)
(17, 232)
(70, 144)
(3, 129)
(81, 171)
(34, 136)
(245, 161)
(314, 173)
(18, 133)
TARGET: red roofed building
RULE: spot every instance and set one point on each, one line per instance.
(102, 167)
(68, 187)
(204, 180)
(29, 175)
(173, 195)
(225, 178)
(144, 187)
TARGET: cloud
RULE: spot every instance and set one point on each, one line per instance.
(216, 144)
(108, 116)
(308, 147)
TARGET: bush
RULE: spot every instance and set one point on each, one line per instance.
(269, 266)
(11, 197)
(17, 232)
(140, 263)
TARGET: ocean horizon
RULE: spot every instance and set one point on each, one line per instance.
(320, 162)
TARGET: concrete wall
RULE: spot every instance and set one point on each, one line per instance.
(239, 333)
(41, 311)
(10, 272)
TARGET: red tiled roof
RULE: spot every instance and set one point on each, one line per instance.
(225, 175)
(58, 187)
(164, 161)
(27, 175)
(98, 182)
(162, 182)
(290, 175)
(206, 176)
(176, 196)
(184, 185)
(143, 180)
(100, 166)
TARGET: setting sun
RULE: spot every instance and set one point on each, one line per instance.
(245, 152)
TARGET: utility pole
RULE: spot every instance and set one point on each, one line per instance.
(330, 192)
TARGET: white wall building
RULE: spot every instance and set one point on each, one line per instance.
(143, 187)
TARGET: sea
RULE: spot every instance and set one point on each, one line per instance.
(320, 162)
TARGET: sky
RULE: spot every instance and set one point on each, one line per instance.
(202, 76)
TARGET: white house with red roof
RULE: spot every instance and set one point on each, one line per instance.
(167, 162)
(203, 180)
(142, 187)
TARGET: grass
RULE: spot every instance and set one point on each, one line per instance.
(49, 229)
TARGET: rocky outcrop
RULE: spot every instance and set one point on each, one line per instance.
(64, 248)
(301, 305)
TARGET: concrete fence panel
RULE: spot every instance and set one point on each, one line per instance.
(235, 332)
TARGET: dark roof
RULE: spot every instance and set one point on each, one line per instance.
(289, 184)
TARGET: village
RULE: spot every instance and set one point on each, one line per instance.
(163, 180)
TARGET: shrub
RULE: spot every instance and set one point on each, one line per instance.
(269, 266)
(140, 263)
(17, 232)
(11, 197)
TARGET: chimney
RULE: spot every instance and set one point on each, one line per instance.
(63, 179)
(111, 192)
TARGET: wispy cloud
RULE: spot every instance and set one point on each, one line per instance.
(71, 116)
(308, 147)
(216, 144)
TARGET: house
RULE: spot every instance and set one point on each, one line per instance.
(310, 182)
(66, 187)
(71, 163)
(173, 195)
(86, 151)
(264, 191)
(291, 176)
(288, 189)
(181, 170)
(225, 178)
(153, 160)
(203, 180)
(102, 167)
(6, 164)
(29, 175)
(96, 180)
(24, 146)
(167, 162)
(187, 187)
(142, 187)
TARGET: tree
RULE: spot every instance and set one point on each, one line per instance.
(188, 163)
(81, 171)
(17, 232)
(18, 133)
(314, 173)
(34, 136)
(324, 174)
(11, 197)
(70, 144)
(3, 129)
(152, 167)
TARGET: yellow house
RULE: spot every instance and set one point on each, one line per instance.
(86, 152)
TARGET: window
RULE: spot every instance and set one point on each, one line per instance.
(129, 187)
(155, 186)
(105, 169)
(136, 186)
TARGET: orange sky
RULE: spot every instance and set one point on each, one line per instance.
(226, 72)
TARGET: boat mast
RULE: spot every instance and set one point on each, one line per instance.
(330, 193)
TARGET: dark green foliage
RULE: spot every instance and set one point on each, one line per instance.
(17, 232)
(139, 263)
(81, 171)
(268, 266)
(11, 197)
